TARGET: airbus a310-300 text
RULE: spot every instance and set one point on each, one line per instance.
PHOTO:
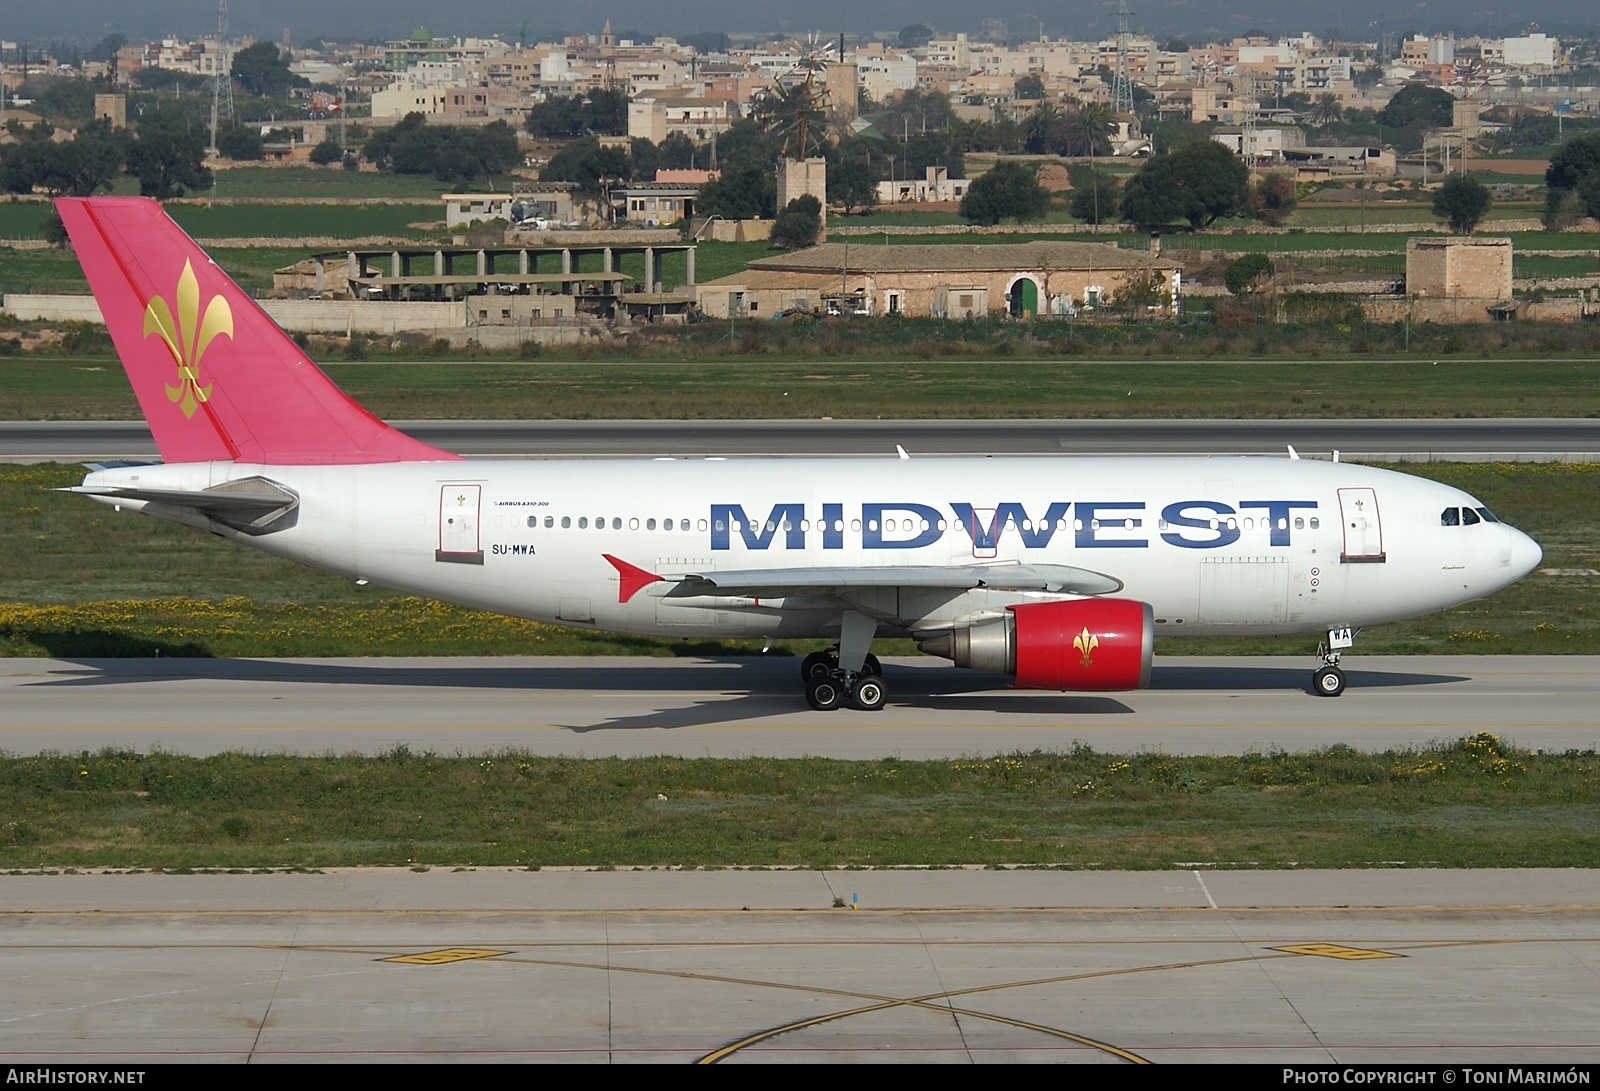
(1058, 572)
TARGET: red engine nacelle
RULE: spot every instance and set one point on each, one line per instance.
(1088, 644)
(1081, 644)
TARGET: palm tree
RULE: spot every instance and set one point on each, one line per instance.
(1088, 131)
(1041, 125)
(1326, 108)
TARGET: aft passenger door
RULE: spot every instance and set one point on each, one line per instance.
(459, 538)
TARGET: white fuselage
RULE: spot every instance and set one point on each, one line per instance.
(1215, 545)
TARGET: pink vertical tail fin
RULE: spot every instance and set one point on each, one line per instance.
(216, 378)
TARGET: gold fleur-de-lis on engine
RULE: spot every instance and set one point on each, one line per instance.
(187, 336)
(1085, 643)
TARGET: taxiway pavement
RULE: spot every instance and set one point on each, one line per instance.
(962, 966)
(754, 706)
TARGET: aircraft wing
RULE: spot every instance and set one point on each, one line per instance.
(781, 582)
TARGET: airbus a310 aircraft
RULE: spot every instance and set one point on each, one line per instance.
(1057, 571)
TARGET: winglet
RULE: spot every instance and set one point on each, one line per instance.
(1293, 454)
(633, 578)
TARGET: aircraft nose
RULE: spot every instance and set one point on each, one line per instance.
(1525, 553)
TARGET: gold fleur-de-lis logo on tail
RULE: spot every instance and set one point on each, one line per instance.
(1085, 643)
(187, 336)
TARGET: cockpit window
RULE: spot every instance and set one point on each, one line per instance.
(1488, 516)
(1468, 517)
(1450, 517)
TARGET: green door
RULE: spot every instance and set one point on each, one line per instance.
(1024, 297)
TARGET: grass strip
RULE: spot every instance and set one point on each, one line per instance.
(1475, 802)
(1544, 384)
(81, 580)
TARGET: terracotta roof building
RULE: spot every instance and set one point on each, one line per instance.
(951, 280)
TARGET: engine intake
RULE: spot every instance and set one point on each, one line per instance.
(1086, 645)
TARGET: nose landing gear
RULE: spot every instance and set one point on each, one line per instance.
(1329, 681)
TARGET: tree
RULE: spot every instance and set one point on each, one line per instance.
(588, 165)
(1418, 102)
(327, 152)
(24, 164)
(799, 224)
(1245, 274)
(1463, 202)
(1043, 131)
(1094, 194)
(931, 149)
(747, 190)
(1008, 190)
(153, 78)
(677, 152)
(915, 36)
(851, 185)
(643, 159)
(1139, 294)
(1087, 131)
(1272, 199)
(1367, 78)
(604, 112)
(263, 71)
(1195, 183)
(451, 153)
(1574, 176)
(240, 142)
(88, 162)
(1327, 108)
(710, 41)
(54, 231)
(1028, 87)
(168, 162)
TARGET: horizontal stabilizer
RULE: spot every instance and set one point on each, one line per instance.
(252, 505)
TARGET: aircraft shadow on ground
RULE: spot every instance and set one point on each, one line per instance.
(1265, 677)
(740, 690)
(743, 709)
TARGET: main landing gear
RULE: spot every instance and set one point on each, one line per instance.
(849, 675)
(1328, 681)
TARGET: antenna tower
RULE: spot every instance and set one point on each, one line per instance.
(1122, 78)
(221, 79)
(1247, 123)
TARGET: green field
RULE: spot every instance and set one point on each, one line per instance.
(80, 579)
(25, 220)
(309, 221)
(58, 270)
(291, 182)
(93, 387)
(1469, 804)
